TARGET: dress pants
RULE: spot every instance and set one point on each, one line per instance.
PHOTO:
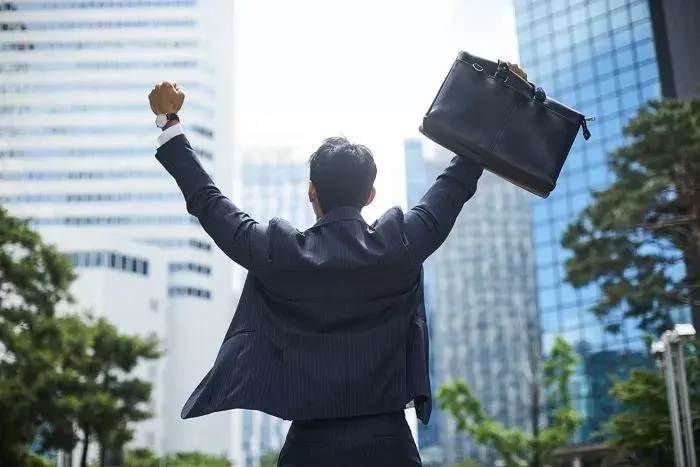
(371, 441)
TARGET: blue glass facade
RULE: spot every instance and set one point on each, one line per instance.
(480, 302)
(599, 57)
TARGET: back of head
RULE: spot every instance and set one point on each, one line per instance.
(342, 173)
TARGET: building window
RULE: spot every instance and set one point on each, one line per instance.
(180, 291)
(179, 243)
(96, 259)
(62, 175)
(190, 267)
(122, 220)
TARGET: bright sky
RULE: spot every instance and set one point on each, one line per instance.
(367, 69)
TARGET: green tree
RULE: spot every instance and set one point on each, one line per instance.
(59, 375)
(269, 459)
(639, 239)
(110, 397)
(642, 432)
(34, 280)
(36, 461)
(147, 458)
(141, 458)
(467, 463)
(196, 459)
(515, 446)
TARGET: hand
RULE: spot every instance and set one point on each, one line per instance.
(166, 98)
(515, 68)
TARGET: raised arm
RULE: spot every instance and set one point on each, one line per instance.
(428, 224)
(239, 236)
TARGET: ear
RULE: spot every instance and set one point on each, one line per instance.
(313, 197)
(371, 196)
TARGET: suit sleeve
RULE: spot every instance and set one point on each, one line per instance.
(428, 224)
(243, 239)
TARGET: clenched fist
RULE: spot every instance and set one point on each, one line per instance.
(166, 98)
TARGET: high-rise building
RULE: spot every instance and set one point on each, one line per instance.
(605, 58)
(480, 302)
(106, 266)
(77, 141)
(274, 181)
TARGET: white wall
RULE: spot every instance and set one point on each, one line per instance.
(136, 304)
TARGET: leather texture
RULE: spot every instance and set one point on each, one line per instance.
(505, 124)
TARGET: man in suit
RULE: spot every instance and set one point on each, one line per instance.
(330, 330)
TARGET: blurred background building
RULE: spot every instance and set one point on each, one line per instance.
(481, 306)
(76, 156)
(107, 266)
(605, 58)
(76, 146)
(274, 182)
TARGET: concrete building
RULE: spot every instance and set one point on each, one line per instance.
(480, 301)
(76, 156)
(107, 267)
(605, 58)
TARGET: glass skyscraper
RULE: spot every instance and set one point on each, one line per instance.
(480, 302)
(601, 58)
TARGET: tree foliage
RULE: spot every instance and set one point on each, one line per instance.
(110, 398)
(639, 239)
(642, 432)
(466, 463)
(516, 446)
(141, 458)
(147, 458)
(34, 280)
(63, 378)
(269, 459)
(196, 459)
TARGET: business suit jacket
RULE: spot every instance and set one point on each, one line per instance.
(331, 321)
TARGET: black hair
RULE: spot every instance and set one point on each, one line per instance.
(343, 173)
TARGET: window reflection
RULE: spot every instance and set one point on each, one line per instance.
(609, 73)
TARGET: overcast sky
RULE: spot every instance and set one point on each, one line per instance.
(367, 69)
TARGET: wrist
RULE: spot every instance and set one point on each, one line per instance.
(171, 123)
(166, 120)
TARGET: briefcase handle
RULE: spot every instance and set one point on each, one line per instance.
(503, 72)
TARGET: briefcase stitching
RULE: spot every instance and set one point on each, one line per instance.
(504, 122)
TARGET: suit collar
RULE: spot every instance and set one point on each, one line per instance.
(340, 214)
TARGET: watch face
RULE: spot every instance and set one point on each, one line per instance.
(161, 120)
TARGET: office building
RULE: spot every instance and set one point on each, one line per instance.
(480, 302)
(77, 141)
(605, 58)
(105, 268)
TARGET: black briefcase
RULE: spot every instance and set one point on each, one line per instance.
(487, 113)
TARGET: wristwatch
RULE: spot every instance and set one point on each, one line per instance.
(163, 119)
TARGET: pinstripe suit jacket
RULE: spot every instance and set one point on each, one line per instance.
(331, 321)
